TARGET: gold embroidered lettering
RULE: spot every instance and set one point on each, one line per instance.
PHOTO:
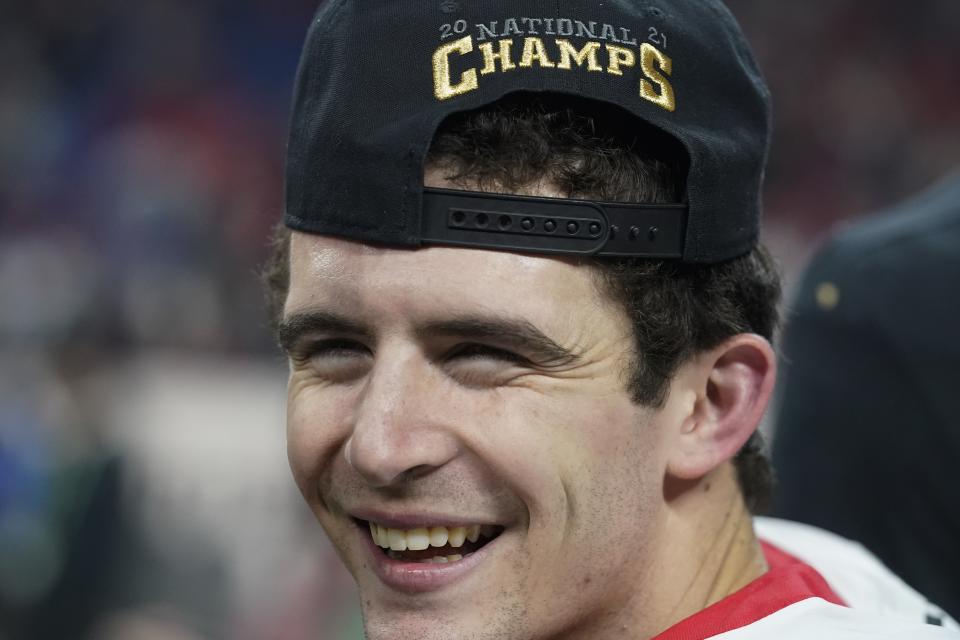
(587, 55)
(443, 88)
(650, 60)
(533, 49)
(503, 55)
(619, 57)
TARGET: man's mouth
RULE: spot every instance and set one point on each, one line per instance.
(432, 544)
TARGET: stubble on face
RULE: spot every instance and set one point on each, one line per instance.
(587, 599)
(508, 622)
(569, 452)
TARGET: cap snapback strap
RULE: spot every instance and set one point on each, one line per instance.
(552, 225)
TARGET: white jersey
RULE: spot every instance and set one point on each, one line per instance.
(819, 586)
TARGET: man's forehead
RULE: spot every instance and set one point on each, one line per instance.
(326, 255)
(326, 269)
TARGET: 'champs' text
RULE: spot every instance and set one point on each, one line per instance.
(558, 54)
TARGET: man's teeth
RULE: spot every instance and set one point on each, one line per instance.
(422, 538)
(439, 536)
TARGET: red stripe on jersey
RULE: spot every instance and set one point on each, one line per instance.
(788, 581)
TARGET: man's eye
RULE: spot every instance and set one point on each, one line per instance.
(335, 360)
(336, 349)
(483, 366)
(478, 352)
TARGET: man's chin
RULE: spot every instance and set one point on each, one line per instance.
(468, 611)
(450, 623)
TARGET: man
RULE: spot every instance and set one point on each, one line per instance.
(529, 327)
(872, 338)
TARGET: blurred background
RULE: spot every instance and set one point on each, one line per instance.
(144, 492)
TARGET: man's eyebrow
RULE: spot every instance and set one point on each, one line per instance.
(293, 328)
(509, 332)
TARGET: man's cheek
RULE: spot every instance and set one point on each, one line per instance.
(588, 435)
(311, 445)
(302, 469)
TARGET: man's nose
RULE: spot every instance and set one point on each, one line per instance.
(400, 429)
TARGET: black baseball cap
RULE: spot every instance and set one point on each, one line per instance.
(377, 78)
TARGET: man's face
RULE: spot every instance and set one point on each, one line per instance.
(445, 388)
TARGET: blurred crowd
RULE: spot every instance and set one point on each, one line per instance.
(141, 157)
(866, 103)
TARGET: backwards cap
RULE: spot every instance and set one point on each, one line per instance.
(377, 77)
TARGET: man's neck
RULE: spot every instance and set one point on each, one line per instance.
(712, 550)
(705, 550)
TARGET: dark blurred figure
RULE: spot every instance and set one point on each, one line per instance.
(867, 440)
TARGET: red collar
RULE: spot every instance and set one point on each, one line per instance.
(789, 580)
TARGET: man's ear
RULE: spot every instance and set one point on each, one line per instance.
(732, 384)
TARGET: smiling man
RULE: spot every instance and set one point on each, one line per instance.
(529, 329)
